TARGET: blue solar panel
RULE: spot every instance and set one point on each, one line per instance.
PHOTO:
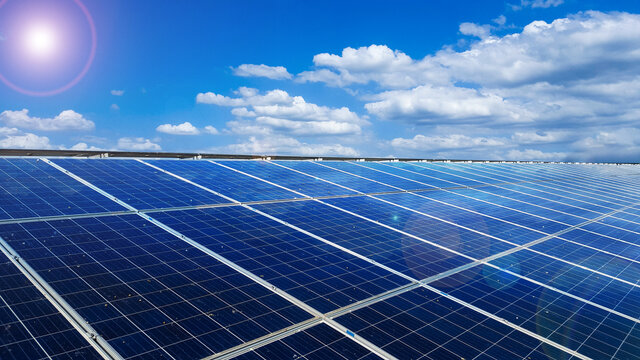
(400, 252)
(30, 327)
(427, 181)
(501, 224)
(32, 188)
(439, 232)
(148, 293)
(422, 324)
(441, 172)
(305, 184)
(227, 182)
(591, 331)
(454, 260)
(317, 343)
(139, 185)
(392, 180)
(323, 276)
(585, 284)
(336, 177)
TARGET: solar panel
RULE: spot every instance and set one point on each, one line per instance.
(224, 180)
(32, 328)
(291, 259)
(31, 188)
(317, 343)
(139, 185)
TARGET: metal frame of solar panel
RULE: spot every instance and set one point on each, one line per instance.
(197, 256)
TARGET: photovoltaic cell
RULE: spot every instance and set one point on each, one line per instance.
(436, 231)
(317, 343)
(398, 171)
(323, 276)
(305, 184)
(402, 253)
(148, 293)
(151, 294)
(591, 331)
(137, 184)
(30, 327)
(366, 172)
(504, 227)
(32, 188)
(415, 168)
(422, 324)
(226, 182)
(336, 177)
(588, 285)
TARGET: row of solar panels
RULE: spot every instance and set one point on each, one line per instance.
(189, 259)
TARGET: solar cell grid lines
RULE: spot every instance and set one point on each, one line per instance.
(142, 258)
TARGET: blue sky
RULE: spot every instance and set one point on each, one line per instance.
(528, 80)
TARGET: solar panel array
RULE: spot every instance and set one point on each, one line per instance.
(260, 259)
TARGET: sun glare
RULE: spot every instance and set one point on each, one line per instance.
(40, 41)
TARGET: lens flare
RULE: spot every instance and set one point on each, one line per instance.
(45, 44)
(40, 41)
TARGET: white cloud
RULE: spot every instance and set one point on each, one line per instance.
(540, 137)
(428, 104)
(580, 69)
(481, 31)
(248, 97)
(138, 143)
(541, 3)
(211, 130)
(243, 112)
(83, 146)
(25, 141)
(500, 20)
(182, 129)
(117, 92)
(621, 144)
(271, 72)
(277, 111)
(66, 120)
(286, 145)
(115, 107)
(375, 63)
(530, 154)
(455, 141)
(329, 127)
(8, 131)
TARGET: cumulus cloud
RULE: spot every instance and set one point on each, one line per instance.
(137, 143)
(455, 141)
(277, 111)
(622, 144)
(117, 92)
(578, 69)
(375, 63)
(540, 137)
(472, 29)
(430, 104)
(8, 131)
(531, 154)
(211, 130)
(84, 146)
(66, 120)
(182, 129)
(270, 72)
(541, 3)
(25, 141)
(286, 145)
(500, 20)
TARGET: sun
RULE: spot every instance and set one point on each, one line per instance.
(40, 41)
